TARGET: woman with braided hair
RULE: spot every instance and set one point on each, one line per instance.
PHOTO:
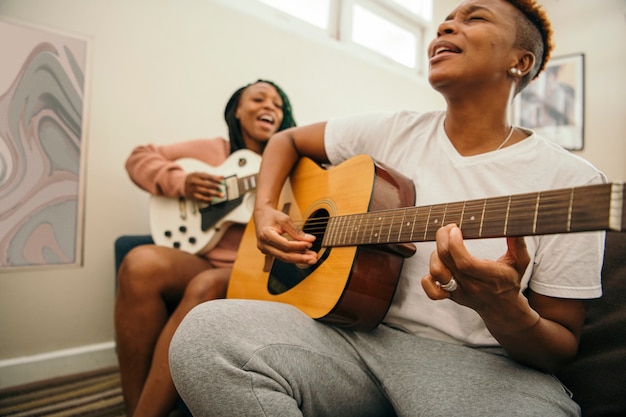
(476, 327)
(158, 285)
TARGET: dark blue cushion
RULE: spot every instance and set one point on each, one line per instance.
(125, 243)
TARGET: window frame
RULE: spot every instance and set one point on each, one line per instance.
(395, 14)
(339, 27)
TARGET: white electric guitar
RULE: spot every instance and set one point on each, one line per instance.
(196, 227)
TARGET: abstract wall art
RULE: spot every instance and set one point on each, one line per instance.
(43, 87)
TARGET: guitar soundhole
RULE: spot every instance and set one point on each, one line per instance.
(316, 226)
(284, 276)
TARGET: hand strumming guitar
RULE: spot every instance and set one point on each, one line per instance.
(279, 237)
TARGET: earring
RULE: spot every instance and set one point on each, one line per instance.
(515, 72)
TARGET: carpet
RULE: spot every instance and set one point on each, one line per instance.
(91, 394)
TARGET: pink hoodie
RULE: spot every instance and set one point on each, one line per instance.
(154, 169)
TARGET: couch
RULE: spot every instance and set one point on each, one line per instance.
(597, 377)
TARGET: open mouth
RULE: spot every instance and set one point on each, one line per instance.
(266, 118)
(444, 47)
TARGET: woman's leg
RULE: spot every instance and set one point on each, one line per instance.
(431, 378)
(255, 358)
(252, 358)
(159, 394)
(151, 280)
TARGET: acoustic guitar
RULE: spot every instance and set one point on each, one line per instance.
(196, 227)
(363, 216)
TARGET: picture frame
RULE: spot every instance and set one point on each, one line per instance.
(553, 105)
(43, 130)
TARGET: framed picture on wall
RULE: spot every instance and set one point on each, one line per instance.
(43, 84)
(553, 104)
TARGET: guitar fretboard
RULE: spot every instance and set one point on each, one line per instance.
(579, 209)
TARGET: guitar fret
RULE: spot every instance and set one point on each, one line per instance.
(520, 220)
(536, 213)
(360, 237)
(462, 215)
(391, 226)
(399, 238)
(340, 229)
(380, 228)
(569, 210)
(506, 216)
(553, 214)
(416, 210)
(336, 231)
(436, 214)
(330, 229)
(494, 217)
(427, 222)
(472, 218)
(482, 219)
(350, 229)
(370, 227)
(454, 214)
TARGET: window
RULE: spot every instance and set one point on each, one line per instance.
(418, 7)
(394, 29)
(314, 12)
(383, 36)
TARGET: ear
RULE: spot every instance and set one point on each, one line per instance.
(525, 62)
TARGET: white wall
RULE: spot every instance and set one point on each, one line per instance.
(161, 71)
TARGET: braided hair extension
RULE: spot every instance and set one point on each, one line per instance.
(234, 127)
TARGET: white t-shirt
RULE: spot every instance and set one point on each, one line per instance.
(416, 145)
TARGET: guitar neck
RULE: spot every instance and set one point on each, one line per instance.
(247, 183)
(237, 186)
(580, 209)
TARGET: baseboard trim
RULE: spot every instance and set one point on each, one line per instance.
(27, 369)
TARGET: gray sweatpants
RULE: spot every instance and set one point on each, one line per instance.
(254, 358)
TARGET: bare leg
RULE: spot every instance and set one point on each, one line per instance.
(151, 280)
(159, 394)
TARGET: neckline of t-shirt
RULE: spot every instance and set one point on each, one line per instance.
(450, 150)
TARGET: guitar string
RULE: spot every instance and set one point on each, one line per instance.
(547, 209)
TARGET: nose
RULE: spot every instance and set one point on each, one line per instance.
(269, 104)
(446, 27)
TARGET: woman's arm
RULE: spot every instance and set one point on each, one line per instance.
(154, 168)
(539, 331)
(279, 158)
